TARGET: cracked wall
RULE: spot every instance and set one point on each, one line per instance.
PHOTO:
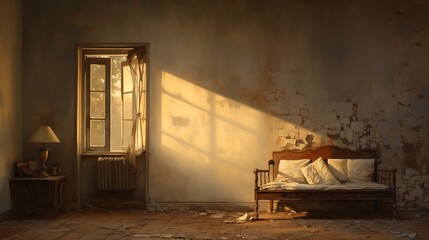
(385, 111)
(396, 125)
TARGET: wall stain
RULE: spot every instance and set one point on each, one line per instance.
(354, 112)
(403, 104)
(410, 155)
(269, 69)
(417, 128)
(334, 136)
(180, 121)
(310, 141)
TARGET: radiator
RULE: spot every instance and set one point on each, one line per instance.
(115, 173)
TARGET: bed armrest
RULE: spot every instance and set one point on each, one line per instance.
(387, 177)
(264, 176)
(261, 177)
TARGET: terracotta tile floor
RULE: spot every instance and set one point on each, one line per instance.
(111, 225)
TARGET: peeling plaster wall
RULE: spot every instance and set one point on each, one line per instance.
(231, 81)
(10, 95)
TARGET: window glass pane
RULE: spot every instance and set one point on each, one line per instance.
(117, 75)
(128, 106)
(128, 80)
(128, 125)
(116, 122)
(97, 77)
(97, 133)
(116, 104)
(97, 108)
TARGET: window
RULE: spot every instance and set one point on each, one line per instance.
(108, 99)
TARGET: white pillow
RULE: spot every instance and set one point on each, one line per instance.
(311, 175)
(289, 171)
(318, 173)
(338, 167)
(360, 170)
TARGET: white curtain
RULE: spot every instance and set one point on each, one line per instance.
(137, 60)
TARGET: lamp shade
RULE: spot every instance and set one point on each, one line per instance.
(44, 134)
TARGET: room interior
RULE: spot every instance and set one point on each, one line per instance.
(229, 82)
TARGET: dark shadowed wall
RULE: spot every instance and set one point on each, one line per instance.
(10, 95)
(233, 80)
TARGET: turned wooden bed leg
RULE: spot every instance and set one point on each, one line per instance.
(271, 205)
(394, 195)
(394, 209)
(257, 209)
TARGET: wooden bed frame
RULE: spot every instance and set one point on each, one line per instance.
(387, 177)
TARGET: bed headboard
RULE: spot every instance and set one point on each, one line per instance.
(326, 151)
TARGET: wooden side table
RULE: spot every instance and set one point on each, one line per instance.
(30, 194)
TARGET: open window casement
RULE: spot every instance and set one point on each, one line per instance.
(136, 66)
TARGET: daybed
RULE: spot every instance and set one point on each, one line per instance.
(326, 173)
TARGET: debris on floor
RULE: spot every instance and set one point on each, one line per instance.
(402, 233)
(210, 225)
(289, 210)
(217, 215)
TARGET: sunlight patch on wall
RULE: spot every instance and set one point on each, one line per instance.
(185, 117)
(179, 146)
(206, 121)
(235, 112)
(210, 141)
(185, 91)
(214, 139)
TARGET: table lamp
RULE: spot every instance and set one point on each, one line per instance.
(44, 134)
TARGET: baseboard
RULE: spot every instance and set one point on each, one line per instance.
(5, 216)
(112, 204)
(201, 206)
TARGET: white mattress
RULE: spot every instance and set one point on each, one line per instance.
(343, 186)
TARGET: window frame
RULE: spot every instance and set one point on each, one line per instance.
(83, 131)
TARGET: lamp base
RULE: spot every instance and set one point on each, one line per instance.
(44, 152)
